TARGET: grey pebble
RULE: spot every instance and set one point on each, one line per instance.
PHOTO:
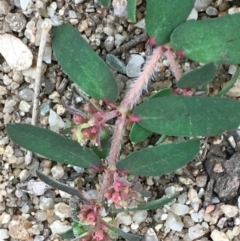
(16, 21)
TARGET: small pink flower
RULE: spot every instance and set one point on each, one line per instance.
(99, 235)
(116, 197)
(117, 186)
(91, 217)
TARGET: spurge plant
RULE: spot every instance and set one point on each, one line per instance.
(169, 112)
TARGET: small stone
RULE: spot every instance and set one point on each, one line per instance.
(24, 106)
(134, 226)
(3, 90)
(45, 108)
(46, 203)
(140, 216)
(196, 231)
(57, 172)
(174, 222)
(211, 11)
(124, 218)
(17, 230)
(7, 80)
(62, 210)
(179, 209)
(150, 235)
(201, 181)
(47, 55)
(229, 210)
(55, 121)
(16, 21)
(193, 15)
(108, 31)
(134, 65)
(118, 39)
(4, 8)
(24, 174)
(4, 234)
(201, 5)
(39, 238)
(115, 63)
(218, 236)
(109, 43)
(141, 24)
(26, 94)
(58, 227)
(41, 215)
(194, 199)
(24, 4)
(15, 52)
(4, 218)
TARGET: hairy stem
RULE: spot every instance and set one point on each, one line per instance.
(173, 64)
(130, 100)
(141, 83)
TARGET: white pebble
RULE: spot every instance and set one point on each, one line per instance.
(134, 226)
(229, 210)
(218, 236)
(134, 66)
(15, 52)
(124, 218)
(140, 216)
(174, 222)
(179, 209)
(4, 233)
(196, 231)
(57, 172)
(24, 106)
(58, 227)
(55, 121)
(62, 210)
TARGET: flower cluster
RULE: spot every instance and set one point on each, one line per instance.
(121, 193)
(88, 128)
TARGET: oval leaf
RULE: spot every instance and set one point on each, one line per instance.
(52, 145)
(209, 40)
(150, 205)
(198, 77)
(138, 133)
(161, 159)
(163, 17)
(189, 116)
(82, 64)
(131, 9)
(67, 235)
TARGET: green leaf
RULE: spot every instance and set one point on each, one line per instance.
(105, 3)
(67, 235)
(198, 77)
(211, 40)
(58, 185)
(105, 145)
(138, 133)
(82, 64)
(150, 205)
(52, 145)
(131, 9)
(189, 116)
(163, 17)
(159, 160)
(80, 230)
(230, 83)
(127, 236)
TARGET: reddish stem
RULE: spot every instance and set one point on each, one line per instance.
(174, 65)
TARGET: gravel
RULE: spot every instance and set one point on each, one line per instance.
(32, 210)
